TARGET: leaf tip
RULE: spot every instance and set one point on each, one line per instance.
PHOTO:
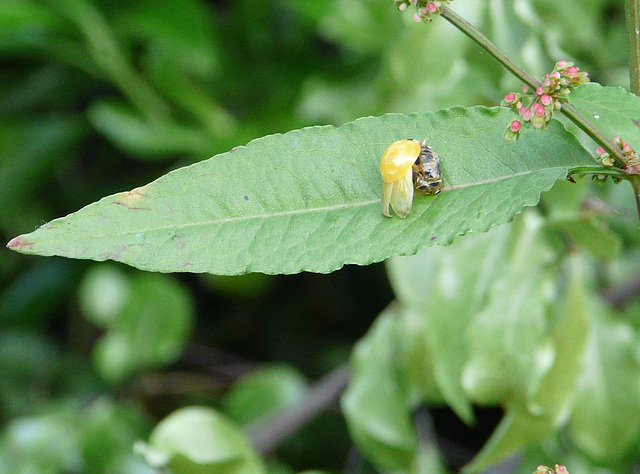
(19, 243)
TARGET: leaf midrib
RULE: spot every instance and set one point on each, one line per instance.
(319, 209)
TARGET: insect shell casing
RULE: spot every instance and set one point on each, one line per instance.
(427, 176)
(397, 170)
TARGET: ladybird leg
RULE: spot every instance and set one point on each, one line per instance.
(386, 197)
(402, 194)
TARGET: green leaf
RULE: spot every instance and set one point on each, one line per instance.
(310, 199)
(530, 420)
(447, 290)
(375, 403)
(103, 293)
(606, 417)
(133, 133)
(46, 444)
(148, 319)
(198, 440)
(508, 351)
(263, 393)
(180, 30)
(612, 109)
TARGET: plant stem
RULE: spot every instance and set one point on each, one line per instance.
(632, 15)
(473, 33)
(633, 23)
(635, 183)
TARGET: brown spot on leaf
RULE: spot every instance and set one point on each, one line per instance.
(132, 199)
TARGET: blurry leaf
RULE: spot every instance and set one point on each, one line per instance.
(606, 417)
(33, 295)
(103, 293)
(313, 10)
(198, 440)
(31, 150)
(565, 199)
(508, 353)
(276, 466)
(391, 375)
(531, 420)
(375, 404)
(416, 359)
(107, 433)
(188, 94)
(612, 109)
(264, 393)
(133, 133)
(151, 328)
(447, 287)
(362, 25)
(25, 25)
(28, 363)
(312, 199)
(591, 234)
(46, 444)
(180, 30)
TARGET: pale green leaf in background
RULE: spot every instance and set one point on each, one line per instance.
(446, 287)
(529, 420)
(508, 355)
(376, 403)
(198, 440)
(264, 393)
(310, 199)
(155, 309)
(606, 416)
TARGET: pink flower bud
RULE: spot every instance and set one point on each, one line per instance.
(526, 114)
(510, 98)
(416, 17)
(545, 99)
(539, 91)
(423, 11)
(525, 88)
(515, 126)
(555, 75)
(561, 64)
(540, 112)
(432, 7)
(571, 71)
(600, 151)
(561, 469)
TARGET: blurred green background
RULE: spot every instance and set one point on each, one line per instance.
(101, 96)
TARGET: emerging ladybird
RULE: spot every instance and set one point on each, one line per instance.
(404, 165)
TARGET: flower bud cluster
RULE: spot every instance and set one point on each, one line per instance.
(536, 107)
(424, 10)
(631, 157)
(548, 470)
